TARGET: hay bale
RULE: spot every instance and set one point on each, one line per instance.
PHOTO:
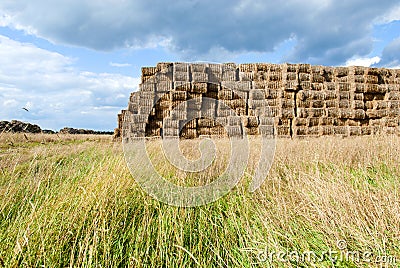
(275, 76)
(240, 95)
(181, 76)
(214, 68)
(250, 121)
(266, 130)
(181, 86)
(251, 131)
(343, 86)
(300, 121)
(313, 121)
(357, 104)
(203, 131)
(341, 130)
(178, 114)
(234, 131)
(181, 67)
(354, 131)
(330, 95)
(331, 86)
(199, 67)
(341, 71)
(394, 104)
(218, 131)
(164, 86)
(247, 67)
(300, 131)
(164, 67)
(305, 85)
(273, 94)
(149, 71)
(189, 133)
(325, 121)
(266, 120)
(317, 86)
(246, 76)
(344, 79)
(257, 94)
(290, 68)
(304, 68)
(225, 94)
(275, 85)
(234, 121)
(358, 79)
(344, 104)
(170, 132)
(344, 95)
(224, 112)
(178, 96)
(205, 122)
(229, 76)
(303, 104)
(199, 77)
(259, 84)
(237, 85)
(331, 104)
(283, 131)
(359, 70)
(147, 87)
(199, 87)
(303, 77)
(287, 113)
(346, 113)
(327, 130)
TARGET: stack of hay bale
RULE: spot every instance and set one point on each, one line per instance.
(287, 100)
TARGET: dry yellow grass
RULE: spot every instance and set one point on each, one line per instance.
(70, 201)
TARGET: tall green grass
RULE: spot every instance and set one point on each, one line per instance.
(71, 202)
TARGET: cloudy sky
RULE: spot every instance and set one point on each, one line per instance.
(74, 63)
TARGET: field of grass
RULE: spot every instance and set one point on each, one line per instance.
(70, 201)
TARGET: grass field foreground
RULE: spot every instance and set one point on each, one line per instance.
(70, 201)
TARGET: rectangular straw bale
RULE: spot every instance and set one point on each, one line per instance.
(266, 130)
(257, 94)
(181, 76)
(275, 76)
(148, 87)
(246, 76)
(260, 84)
(359, 79)
(199, 77)
(229, 76)
(225, 94)
(182, 86)
(304, 68)
(247, 67)
(251, 131)
(198, 87)
(189, 133)
(164, 86)
(181, 67)
(206, 122)
(288, 67)
(234, 121)
(234, 131)
(178, 95)
(178, 114)
(199, 67)
(170, 132)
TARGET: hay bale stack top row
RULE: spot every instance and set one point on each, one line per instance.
(188, 100)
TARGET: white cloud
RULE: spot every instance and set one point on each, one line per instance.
(327, 32)
(366, 62)
(392, 15)
(55, 91)
(114, 64)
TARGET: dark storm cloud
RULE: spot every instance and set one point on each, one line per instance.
(326, 32)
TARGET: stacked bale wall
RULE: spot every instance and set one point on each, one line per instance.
(302, 100)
